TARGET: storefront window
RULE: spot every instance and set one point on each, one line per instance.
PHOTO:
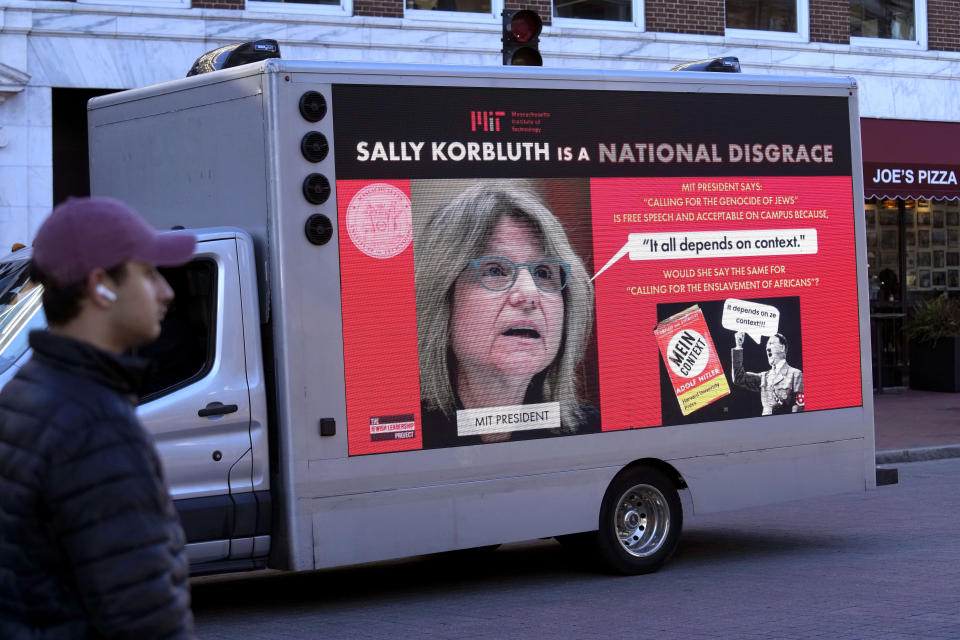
(932, 253)
(883, 252)
(762, 15)
(913, 254)
(141, 3)
(464, 6)
(334, 7)
(924, 250)
(891, 19)
(886, 222)
(615, 10)
(304, 1)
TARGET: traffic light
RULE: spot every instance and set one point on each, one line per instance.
(521, 38)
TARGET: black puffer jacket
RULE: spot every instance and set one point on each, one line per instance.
(90, 544)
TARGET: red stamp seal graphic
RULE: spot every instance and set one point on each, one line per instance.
(379, 220)
(801, 399)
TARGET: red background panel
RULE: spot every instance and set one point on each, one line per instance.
(629, 368)
(379, 334)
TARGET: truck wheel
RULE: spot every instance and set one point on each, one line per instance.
(640, 521)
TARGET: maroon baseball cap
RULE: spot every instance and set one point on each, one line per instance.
(83, 234)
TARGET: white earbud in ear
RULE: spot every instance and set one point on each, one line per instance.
(106, 293)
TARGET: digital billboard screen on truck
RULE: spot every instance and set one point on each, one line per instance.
(521, 264)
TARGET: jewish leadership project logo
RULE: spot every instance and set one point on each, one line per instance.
(396, 427)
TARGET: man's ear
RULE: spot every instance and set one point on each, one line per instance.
(100, 289)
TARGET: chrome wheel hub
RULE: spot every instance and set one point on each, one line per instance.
(642, 520)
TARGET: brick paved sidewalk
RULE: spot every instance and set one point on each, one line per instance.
(908, 419)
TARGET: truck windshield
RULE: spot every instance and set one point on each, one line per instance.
(20, 311)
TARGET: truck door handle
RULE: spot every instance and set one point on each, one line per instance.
(216, 409)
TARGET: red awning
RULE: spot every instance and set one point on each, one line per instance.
(910, 159)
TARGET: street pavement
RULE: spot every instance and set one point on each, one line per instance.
(878, 565)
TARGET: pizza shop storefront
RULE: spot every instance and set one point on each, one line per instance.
(911, 170)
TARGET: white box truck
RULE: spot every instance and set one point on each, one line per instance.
(436, 308)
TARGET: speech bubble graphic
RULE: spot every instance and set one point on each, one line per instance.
(716, 244)
(754, 319)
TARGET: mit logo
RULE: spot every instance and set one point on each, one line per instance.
(485, 120)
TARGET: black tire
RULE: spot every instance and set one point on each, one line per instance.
(640, 521)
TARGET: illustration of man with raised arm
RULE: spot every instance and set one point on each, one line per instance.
(780, 388)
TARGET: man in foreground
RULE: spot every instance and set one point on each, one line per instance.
(90, 543)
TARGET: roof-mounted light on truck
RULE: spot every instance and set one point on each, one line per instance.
(234, 55)
(726, 64)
